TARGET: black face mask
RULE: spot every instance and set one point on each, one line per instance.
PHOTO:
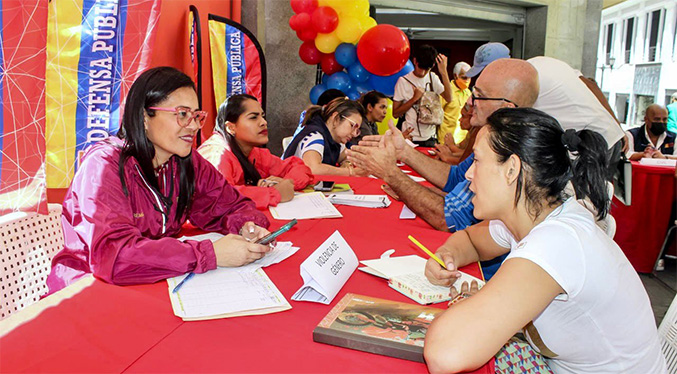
(657, 128)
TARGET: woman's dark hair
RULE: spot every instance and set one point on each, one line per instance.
(329, 95)
(544, 150)
(229, 111)
(151, 88)
(341, 105)
(425, 56)
(371, 98)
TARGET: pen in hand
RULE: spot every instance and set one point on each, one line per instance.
(183, 281)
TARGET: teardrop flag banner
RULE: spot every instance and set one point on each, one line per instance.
(238, 63)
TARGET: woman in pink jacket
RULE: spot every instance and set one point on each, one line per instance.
(235, 150)
(130, 196)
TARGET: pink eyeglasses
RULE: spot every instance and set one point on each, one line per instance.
(185, 115)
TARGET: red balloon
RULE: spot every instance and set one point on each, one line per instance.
(330, 65)
(300, 21)
(292, 23)
(309, 54)
(383, 50)
(303, 6)
(325, 19)
(307, 35)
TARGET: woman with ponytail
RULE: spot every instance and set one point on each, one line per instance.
(322, 141)
(132, 194)
(235, 150)
(565, 284)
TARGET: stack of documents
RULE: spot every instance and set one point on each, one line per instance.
(367, 201)
(305, 206)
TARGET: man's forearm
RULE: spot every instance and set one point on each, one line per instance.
(421, 200)
(448, 93)
(434, 171)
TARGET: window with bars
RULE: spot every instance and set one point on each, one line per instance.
(629, 38)
(654, 33)
(609, 42)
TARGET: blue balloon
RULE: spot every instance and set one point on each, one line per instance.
(316, 91)
(358, 73)
(346, 54)
(386, 84)
(339, 81)
(362, 87)
(353, 95)
(324, 79)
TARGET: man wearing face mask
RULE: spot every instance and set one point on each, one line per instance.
(652, 140)
(452, 109)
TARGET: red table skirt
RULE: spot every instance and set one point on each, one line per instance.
(107, 328)
(641, 227)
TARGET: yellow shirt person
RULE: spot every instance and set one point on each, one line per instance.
(452, 110)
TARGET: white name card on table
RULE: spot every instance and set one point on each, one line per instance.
(326, 270)
(658, 162)
(305, 206)
(406, 213)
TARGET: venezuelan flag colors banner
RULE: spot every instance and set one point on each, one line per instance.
(238, 63)
(23, 34)
(95, 51)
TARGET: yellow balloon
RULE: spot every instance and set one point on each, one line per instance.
(323, 3)
(383, 125)
(367, 23)
(349, 30)
(353, 8)
(327, 43)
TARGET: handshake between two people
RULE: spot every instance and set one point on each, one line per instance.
(378, 154)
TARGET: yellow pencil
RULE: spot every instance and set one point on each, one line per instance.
(427, 251)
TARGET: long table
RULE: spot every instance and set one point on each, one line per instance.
(92, 326)
(641, 226)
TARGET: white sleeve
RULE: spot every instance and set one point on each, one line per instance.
(312, 142)
(438, 87)
(403, 90)
(500, 233)
(631, 144)
(555, 248)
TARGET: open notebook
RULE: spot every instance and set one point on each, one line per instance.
(406, 274)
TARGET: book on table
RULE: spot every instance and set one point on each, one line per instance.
(406, 274)
(339, 188)
(384, 327)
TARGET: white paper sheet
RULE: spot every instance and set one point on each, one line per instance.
(282, 251)
(305, 206)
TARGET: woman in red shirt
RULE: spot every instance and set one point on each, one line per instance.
(235, 150)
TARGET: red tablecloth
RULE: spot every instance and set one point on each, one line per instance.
(641, 227)
(108, 328)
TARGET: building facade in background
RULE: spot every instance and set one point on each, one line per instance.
(637, 56)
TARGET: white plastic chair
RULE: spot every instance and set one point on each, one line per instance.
(667, 335)
(28, 241)
(285, 142)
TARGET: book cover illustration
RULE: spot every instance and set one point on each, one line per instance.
(378, 326)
